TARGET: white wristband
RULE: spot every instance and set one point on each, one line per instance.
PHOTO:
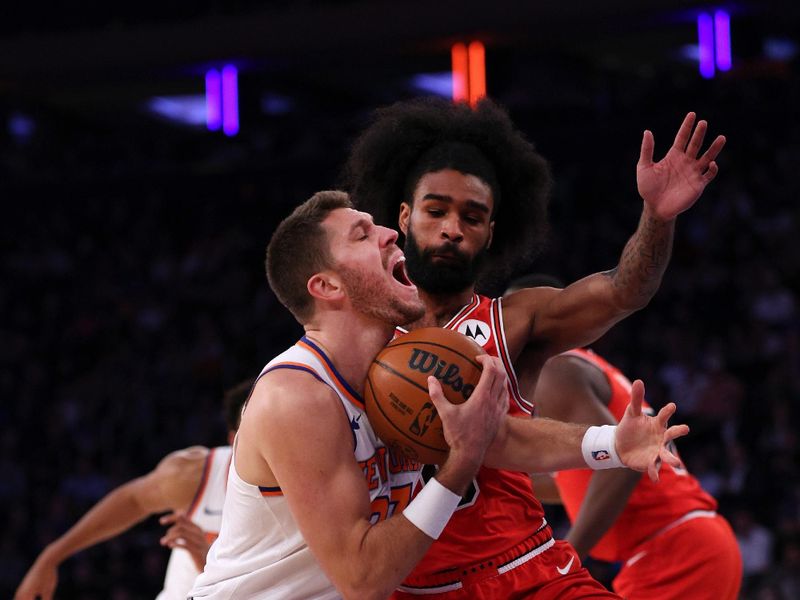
(599, 447)
(432, 508)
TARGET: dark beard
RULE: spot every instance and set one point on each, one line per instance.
(441, 277)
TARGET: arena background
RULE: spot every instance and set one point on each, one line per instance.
(132, 289)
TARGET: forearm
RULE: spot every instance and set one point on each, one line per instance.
(605, 499)
(644, 259)
(537, 446)
(388, 551)
(386, 554)
(115, 513)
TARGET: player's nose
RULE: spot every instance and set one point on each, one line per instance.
(388, 236)
(451, 229)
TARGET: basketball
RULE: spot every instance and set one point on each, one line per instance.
(398, 405)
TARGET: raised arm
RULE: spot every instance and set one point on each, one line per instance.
(171, 485)
(580, 313)
(312, 461)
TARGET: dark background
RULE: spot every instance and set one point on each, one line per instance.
(131, 274)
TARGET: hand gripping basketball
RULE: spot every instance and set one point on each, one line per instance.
(398, 404)
(470, 427)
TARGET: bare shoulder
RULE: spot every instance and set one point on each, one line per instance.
(287, 392)
(281, 405)
(293, 419)
(568, 370)
(528, 299)
(183, 468)
(190, 455)
(571, 389)
(174, 482)
(520, 310)
(569, 367)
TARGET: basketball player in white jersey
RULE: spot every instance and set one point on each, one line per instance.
(317, 507)
(190, 483)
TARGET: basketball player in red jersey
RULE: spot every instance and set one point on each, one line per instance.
(668, 537)
(471, 194)
(190, 483)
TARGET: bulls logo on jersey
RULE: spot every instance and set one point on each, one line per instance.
(479, 331)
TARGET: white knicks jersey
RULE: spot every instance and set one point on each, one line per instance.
(260, 552)
(205, 512)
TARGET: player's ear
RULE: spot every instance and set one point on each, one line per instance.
(491, 235)
(405, 215)
(325, 285)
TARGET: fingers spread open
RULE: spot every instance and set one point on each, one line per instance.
(648, 146)
(696, 142)
(685, 130)
(713, 150)
(637, 398)
(653, 469)
(675, 432)
(712, 171)
(670, 458)
(665, 413)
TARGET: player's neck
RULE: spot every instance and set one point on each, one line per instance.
(441, 308)
(351, 343)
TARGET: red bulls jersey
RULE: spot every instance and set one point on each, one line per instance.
(652, 506)
(499, 509)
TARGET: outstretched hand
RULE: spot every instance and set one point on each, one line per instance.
(642, 440)
(673, 184)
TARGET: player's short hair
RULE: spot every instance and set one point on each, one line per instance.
(409, 139)
(299, 248)
(232, 402)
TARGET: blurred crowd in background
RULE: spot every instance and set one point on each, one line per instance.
(132, 293)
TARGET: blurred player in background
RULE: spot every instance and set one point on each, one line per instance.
(471, 193)
(190, 483)
(668, 537)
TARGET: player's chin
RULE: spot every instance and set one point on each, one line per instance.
(410, 311)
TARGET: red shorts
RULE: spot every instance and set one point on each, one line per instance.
(539, 567)
(698, 559)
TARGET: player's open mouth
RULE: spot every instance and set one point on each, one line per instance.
(399, 272)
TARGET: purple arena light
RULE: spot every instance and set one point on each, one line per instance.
(722, 36)
(705, 39)
(213, 100)
(230, 100)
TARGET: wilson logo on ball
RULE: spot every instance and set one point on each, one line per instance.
(429, 363)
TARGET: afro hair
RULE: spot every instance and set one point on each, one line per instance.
(394, 151)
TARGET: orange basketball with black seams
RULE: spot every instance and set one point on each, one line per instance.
(398, 405)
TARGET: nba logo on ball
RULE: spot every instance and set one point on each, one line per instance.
(423, 419)
(478, 331)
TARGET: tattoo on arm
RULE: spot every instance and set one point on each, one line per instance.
(644, 260)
